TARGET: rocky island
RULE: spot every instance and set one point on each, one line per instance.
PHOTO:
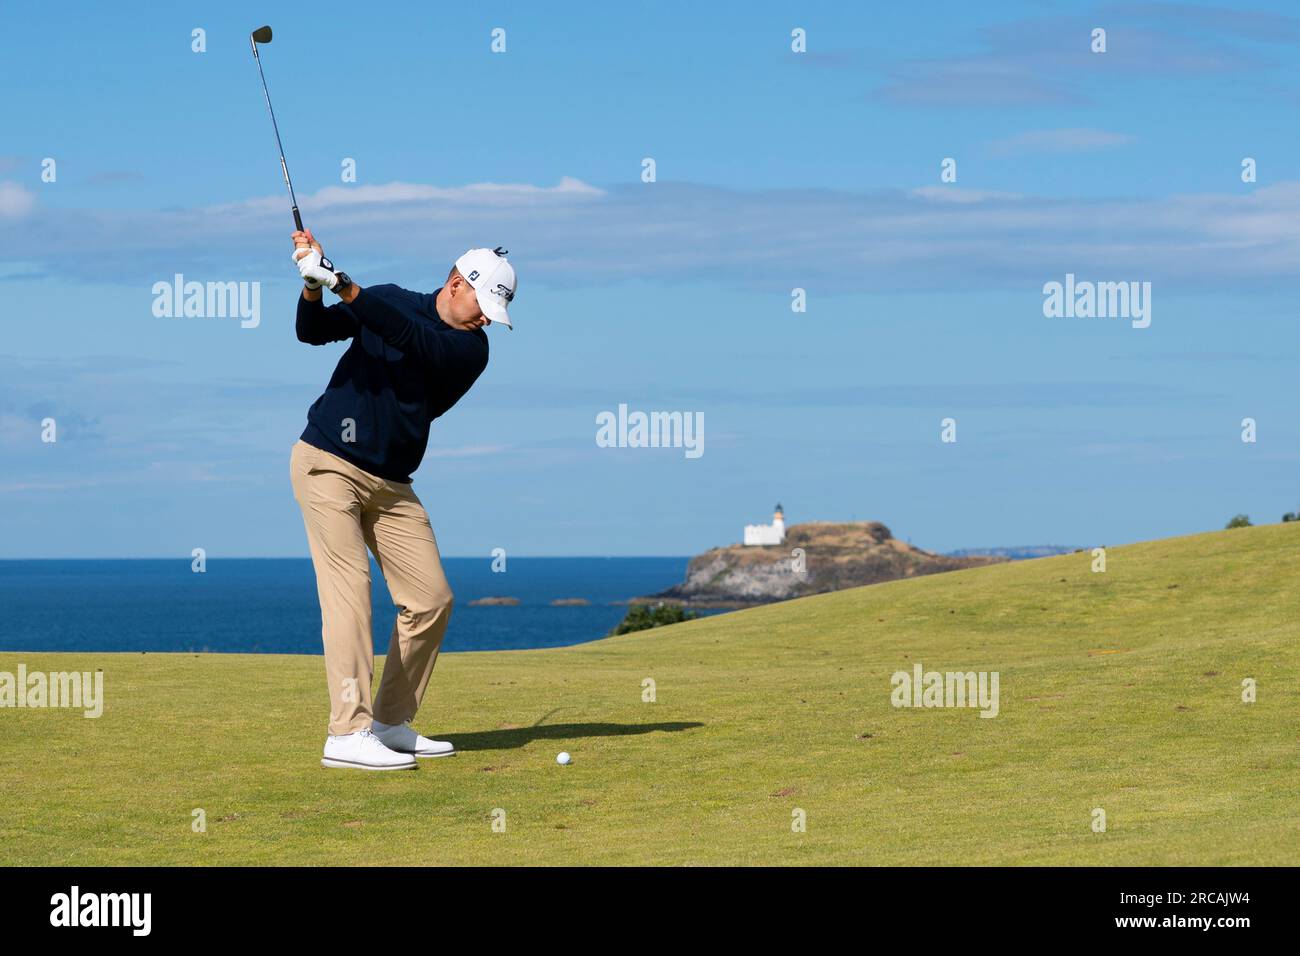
(814, 557)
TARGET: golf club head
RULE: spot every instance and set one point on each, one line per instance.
(262, 35)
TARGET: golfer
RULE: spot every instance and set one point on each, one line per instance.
(410, 358)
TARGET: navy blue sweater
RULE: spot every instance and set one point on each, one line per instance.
(404, 368)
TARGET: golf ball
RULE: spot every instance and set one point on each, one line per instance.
(563, 757)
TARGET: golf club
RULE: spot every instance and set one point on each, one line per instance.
(263, 35)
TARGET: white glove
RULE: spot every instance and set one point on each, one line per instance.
(314, 275)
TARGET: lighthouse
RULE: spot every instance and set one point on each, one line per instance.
(773, 533)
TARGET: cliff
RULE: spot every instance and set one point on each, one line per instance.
(837, 555)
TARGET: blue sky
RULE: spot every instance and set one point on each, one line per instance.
(775, 170)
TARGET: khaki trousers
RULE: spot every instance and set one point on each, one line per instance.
(347, 510)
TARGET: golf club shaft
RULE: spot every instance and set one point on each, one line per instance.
(284, 167)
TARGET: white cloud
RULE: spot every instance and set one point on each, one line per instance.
(473, 193)
(1040, 61)
(399, 192)
(16, 201)
(958, 195)
(1073, 140)
(574, 235)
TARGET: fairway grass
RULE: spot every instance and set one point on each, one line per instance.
(1119, 690)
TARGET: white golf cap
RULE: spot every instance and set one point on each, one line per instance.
(493, 280)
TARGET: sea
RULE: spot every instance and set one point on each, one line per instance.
(269, 606)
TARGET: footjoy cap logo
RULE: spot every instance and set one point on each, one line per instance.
(103, 909)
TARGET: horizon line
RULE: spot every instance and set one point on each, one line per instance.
(307, 557)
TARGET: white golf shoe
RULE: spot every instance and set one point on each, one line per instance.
(363, 751)
(403, 739)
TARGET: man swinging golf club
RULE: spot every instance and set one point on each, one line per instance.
(411, 357)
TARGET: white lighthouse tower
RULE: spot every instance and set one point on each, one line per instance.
(773, 533)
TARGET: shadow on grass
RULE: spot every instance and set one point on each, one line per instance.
(519, 736)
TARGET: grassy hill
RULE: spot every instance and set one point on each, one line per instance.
(1119, 690)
